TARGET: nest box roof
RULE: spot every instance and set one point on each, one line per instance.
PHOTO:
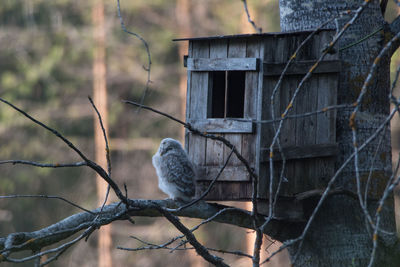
(244, 35)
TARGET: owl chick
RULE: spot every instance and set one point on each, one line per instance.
(174, 170)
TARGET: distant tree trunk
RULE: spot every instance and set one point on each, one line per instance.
(184, 26)
(100, 100)
(338, 236)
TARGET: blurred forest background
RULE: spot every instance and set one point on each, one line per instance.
(46, 61)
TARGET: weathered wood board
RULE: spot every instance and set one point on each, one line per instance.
(307, 139)
(223, 64)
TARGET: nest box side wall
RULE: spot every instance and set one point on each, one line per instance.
(308, 142)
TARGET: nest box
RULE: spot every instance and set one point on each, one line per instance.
(230, 82)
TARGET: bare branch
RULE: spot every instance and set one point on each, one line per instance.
(98, 169)
(151, 246)
(63, 229)
(44, 165)
(146, 45)
(258, 29)
(200, 249)
(48, 197)
(108, 158)
(180, 236)
(104, 135)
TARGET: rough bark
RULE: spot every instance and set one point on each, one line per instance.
(339, 236)
(71, 225)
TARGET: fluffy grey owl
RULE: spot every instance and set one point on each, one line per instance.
(174, 170)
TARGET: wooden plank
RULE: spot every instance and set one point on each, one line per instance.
(230, 173)
(263, 135)
(326, 122)
(249, 149)
(274, 49)
(300, 107)
(307, 99)
(327, 96)
(304, 174)
(249, 141)
(187, 109)
(308, 151)
(265, 109)
(223, 126)
(214, 149)
(236, 49)
(198, 103)
(214, 153)
(306, 52)
(258, 104)
(311, 170)
(288, 135)
(235, 140)
(251, 86)
(225, 191)
(301, 67)
(223, 64)
(199, 84)
(288, 131)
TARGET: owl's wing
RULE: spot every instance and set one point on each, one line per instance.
(179, 171)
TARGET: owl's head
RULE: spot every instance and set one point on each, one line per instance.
(168, 144)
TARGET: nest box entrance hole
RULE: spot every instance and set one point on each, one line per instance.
(226, 95)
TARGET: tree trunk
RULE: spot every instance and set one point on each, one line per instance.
(104, 241)
(339, 236)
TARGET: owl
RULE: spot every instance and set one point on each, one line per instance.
(174, 170)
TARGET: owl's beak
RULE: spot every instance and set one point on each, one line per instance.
(162, 150)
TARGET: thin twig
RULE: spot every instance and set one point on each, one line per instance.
(146, 45)
(44, 165)
(151, 246)
(258, 29)
(108, 158)
(49, 197)
(200, 249)
(180, 236)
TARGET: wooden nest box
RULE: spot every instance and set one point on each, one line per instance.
(230, 82)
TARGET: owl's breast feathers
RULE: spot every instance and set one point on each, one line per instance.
(179, 171)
